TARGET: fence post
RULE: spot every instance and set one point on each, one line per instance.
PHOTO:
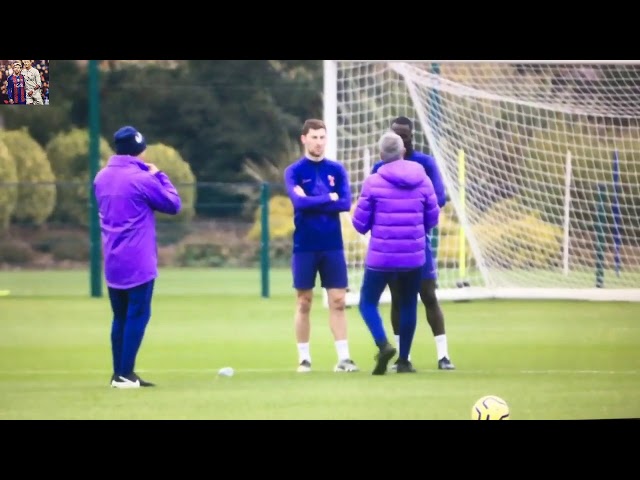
(264, 243)
(94, 163)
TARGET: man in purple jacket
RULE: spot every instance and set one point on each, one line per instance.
(128, 191)
(398, 205)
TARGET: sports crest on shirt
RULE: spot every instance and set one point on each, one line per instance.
(332, 180)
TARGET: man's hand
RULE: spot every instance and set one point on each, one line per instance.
(152, 168)
(333, 196)
(30, 93)
(299, 191)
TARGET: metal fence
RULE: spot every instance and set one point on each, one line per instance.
(223, 228)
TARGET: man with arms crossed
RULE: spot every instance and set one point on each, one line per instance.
(319, 190)
(398, 206)
(404, 127)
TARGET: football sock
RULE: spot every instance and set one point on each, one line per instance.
(342, 348)
(441, 346)
(117, 338)
(303, 352)
(119, 303)
(133, 335)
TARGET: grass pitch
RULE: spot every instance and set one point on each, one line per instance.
(549, 360)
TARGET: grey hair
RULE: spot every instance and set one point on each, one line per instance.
(391, 146)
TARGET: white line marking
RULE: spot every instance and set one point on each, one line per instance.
(328, 370)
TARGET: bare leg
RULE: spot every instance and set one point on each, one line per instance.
(338, 324)
(432, 307)
(337, 316)
(303, 329)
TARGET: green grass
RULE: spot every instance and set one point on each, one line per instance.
(549, 360)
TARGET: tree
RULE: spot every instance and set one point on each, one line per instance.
(36, 181)
(68, 153)
(8, 187)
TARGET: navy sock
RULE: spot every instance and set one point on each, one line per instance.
(117, 338)
(138, 315)
(119, 302)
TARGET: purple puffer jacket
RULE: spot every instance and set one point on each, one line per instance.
(399, 205)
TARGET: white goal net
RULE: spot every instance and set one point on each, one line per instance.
(541, 163)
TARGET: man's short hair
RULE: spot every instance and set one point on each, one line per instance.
(17, 63)
(403, 121)
(391, 146)
(312, 124)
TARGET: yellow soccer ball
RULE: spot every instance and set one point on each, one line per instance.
(490, 407)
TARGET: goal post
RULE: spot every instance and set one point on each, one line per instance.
(540, 159)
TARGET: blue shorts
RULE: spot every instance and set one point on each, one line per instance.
(331, 265)
(430, 267)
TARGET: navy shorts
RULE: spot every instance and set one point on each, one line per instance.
(430, 267)
(331, 265)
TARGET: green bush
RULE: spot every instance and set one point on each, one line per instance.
(201, 255)
(280, 219)
(48, 241)
(170, 233)
(68, 153)
(36, 188)
(75, 248)
(513, 236)
(541, 163)
(169, 161)
(15, 252)
(232, 255)
(8, 186)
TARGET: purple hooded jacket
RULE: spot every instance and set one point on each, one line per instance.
(399, 205)
(127, 195)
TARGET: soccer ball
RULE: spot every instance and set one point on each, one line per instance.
(490, 407)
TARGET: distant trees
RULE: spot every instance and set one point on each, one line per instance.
(214, 113)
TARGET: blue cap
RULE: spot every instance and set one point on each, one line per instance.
(129, 141)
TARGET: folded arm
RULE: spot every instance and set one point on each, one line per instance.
(301, 202)
(343, 203)
(161, 194)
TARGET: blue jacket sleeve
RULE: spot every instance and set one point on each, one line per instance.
(299, 202)
(431, 207)
(433, 172)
